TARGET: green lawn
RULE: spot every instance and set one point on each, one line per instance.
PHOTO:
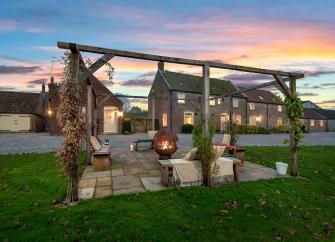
(288, 209)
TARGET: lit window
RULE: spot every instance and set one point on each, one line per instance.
(321, 123)
(279, 121)
(237, 119)
(311, 122)
(211, 101)
(219, 101)
(165, 119)
(181, 97)
(252, 106)
(252, 120)
(235, 103)
(279, 108)
(188, 118)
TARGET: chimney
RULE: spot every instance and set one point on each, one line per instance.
(52, 80)
(43, 87)
(161, 66)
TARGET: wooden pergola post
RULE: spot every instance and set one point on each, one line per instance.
(153, 113)
(89, 124)
(293, 141)
(205, 98)
(74, 62)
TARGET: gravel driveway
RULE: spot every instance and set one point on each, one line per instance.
(11, 143)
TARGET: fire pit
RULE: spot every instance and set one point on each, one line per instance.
(165, 144)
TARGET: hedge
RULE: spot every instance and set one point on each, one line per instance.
(251, 129)
(280, 129)
(187, 128)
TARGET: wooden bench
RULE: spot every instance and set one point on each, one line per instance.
(141, 141)
(101, 158)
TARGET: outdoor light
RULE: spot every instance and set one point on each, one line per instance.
(165, 144)
(49, 112)
(258, 119)
(120, 113)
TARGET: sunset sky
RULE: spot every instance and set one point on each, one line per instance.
(286, 35)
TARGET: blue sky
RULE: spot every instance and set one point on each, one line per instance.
(285, 35)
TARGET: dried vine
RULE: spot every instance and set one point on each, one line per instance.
(71, 119)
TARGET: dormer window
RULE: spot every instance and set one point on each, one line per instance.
(260, 97)
(181, 98)
(211, 101)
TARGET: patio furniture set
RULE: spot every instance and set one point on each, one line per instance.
(182, 172)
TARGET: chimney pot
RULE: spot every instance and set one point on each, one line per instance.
(161, 66)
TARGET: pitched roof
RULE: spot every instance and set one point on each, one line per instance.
(330, 114)
(20, 102)
(190, 83)
(310, 113)
(262, 96)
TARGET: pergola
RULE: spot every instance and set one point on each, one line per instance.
(280, 77)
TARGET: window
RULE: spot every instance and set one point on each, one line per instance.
(279, 108)
(235, 103)
(181, 98)
(279, 121)
(252, 106)
(252, 120)
(165, 120)
(260, 97)
(237, 119)
(219, 101)
(188, 118)
(321, 123)
(311, 122)
(211, 101)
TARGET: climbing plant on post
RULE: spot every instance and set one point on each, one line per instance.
(294, 113)
(71, 119)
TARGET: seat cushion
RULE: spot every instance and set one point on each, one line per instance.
(95, 143)
(191, 154)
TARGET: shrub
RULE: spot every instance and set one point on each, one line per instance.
(280, 129)
(126, 126)
(187, 128)
(262, 130)
(246, 129)
(251, 129)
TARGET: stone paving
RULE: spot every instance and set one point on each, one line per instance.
(12, 143)
(135, 172)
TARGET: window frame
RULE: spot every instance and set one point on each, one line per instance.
(164, 120)
(235, 101)
(252, 106)
(181, 98)
(211, 99)
(192, 117)
(280, 108)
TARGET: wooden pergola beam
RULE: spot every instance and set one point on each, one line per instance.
(95, 66)
(143, 56)
(283, 87)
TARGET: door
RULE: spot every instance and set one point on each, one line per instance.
(224, 118)
(14, 122)
(110, 119)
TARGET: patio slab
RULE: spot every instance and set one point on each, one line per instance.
(103, 191)
(87, 183)
(152, 184)
(86, 193)
(104, 181)
(126, 182)
(117, 172)
(130, 190)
